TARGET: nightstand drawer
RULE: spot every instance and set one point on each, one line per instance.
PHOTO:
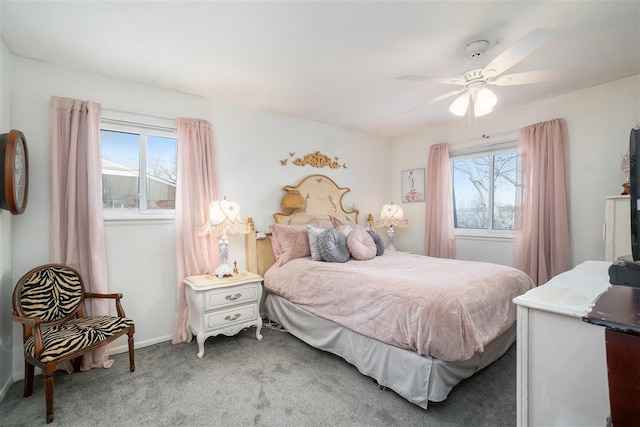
(224, 297)
(222, 318)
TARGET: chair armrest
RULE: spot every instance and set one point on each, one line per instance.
(31, 324)
(94, 295)
(115, 297)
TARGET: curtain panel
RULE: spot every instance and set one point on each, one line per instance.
(197, 187)
(439, 236)
(77, 227)
(541, 239)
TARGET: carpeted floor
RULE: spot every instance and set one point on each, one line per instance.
(280, 381)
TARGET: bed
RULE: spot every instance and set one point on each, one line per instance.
(417, 325)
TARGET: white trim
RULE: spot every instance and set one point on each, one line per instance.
(462, 234)
(137, 345)
(5, 388)
(128, 122)
(503, 146)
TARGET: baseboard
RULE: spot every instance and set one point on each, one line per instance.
(5, 388)
(19, 375)
(141, 344)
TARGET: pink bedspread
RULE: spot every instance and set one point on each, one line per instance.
(446, 309)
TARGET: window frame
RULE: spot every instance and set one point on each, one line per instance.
(508, 145)
(143, 126)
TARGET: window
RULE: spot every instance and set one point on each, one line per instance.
(127, 149)
(485, 190)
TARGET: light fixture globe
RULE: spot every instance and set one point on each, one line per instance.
(460, 105)
(484, 102)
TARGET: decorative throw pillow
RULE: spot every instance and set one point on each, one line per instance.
(345, 229)
(333, 246)
(361, 245)
(313, 233)
(293, 241)
(321, 223)
(275, 247)
(377, 239)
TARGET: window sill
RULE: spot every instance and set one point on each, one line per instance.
(137, 218)
(466, 235)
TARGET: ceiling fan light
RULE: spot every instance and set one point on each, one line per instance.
(477, 112)
(485, 100)
(460, 105)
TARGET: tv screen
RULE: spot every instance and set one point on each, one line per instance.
(634, 191)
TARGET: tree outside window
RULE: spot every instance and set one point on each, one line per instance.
(485, 191)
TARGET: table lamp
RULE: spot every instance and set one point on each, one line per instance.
(391, 215)
(224, 217)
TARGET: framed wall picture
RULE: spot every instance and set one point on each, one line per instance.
(413, 185)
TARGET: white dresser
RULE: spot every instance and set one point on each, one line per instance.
(617, 227)
(561, 360)
(223, 305)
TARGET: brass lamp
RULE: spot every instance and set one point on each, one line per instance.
(391, 215)
(292, 201)
(224, 216)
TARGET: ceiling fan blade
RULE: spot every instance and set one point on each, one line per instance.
(539, 76)
(434, 100)
(429, 79)
(518, 51)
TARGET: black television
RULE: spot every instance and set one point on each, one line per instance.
(626, 270)
(634, 191)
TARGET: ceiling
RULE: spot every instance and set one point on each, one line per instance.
(333, 62)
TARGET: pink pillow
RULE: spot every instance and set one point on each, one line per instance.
(275, 247)
(321, 223)
(361, 245)
(293, 241)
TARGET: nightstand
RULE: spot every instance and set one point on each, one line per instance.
(223, 305)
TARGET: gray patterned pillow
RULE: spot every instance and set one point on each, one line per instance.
(378, 241)
(333, 246)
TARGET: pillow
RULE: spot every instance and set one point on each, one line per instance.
(333, 246)
(345, 229)
(321, 223)
(361, 245)
(313, 233)
(337, 222)
(293, 241)
(275, 247)
(378, 241)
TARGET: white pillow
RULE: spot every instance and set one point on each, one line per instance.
(313, 233)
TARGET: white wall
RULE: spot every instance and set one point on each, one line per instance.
(6, 279)
(599, 120)
(249, 143)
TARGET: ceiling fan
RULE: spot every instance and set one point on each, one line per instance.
(475, 81)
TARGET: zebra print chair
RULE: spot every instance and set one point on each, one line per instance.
(48, 301)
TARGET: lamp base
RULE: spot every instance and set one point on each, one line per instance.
(223, 271)
(391, 247)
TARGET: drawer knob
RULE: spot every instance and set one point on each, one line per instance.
(233, 297)
(231, 318)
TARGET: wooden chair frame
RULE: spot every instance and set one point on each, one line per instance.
(33, 326)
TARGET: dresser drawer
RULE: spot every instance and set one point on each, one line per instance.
(231, 316)
(219, 298)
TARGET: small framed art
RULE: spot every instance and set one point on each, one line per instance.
(413, 185)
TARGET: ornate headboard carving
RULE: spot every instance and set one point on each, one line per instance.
(323, 198)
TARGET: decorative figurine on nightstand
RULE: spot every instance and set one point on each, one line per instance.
(224, 216)
(235, 267)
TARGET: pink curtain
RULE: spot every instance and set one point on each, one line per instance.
(439, 236)
(197, 187)
(541, 243)
(77, 228)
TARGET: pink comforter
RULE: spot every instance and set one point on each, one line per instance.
(446, 309)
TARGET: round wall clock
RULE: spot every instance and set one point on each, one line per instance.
(14, 179)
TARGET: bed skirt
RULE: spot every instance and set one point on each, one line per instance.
(419, 379)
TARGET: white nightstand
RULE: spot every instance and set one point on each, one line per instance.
(223, 305)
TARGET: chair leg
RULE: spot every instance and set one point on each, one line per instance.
(132, 365)
(28, 378)
(48, 394)
(76, 363)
